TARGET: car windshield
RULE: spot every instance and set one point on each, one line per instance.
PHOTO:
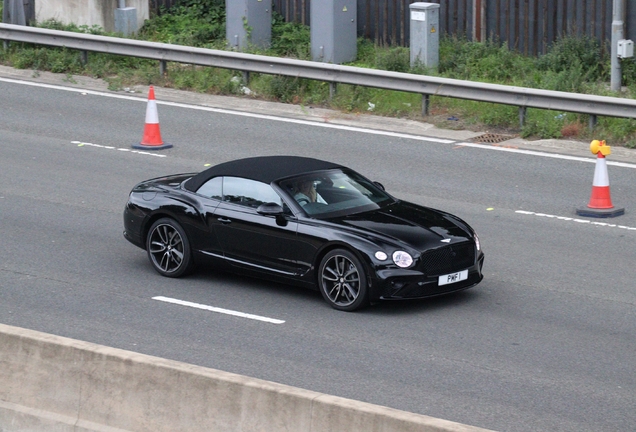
(335, 193)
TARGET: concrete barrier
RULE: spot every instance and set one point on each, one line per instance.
(55, 384)
(88, 12)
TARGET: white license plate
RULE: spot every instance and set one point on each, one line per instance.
(453, 277)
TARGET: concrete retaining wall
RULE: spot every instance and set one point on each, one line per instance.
(55, 384)
(88, 12)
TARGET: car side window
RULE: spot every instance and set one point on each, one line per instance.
(212, 188)
(249, 193)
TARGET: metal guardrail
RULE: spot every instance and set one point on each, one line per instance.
(426, 85)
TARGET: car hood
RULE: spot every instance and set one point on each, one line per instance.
(419, 227)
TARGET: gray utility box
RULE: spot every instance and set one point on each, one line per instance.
(333, 31)
(126, 20)
(248, 22)
(424, 34)
(13, 12)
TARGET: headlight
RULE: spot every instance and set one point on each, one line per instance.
(477, 242)
(402, 259)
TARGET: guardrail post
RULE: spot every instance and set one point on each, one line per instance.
(522, 115)
(5, 44)
(426, 104)
(84, 57)
(163, 67)
(246, 78)
(592, 121)
(333, 87)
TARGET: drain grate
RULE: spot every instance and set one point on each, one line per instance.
(490, 138)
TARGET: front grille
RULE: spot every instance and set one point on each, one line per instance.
(448, 259)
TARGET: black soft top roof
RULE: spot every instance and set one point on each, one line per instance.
(265, 169)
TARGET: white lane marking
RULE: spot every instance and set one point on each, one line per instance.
(320, 124)
(581, 221)
(548, 155)
(141, 152)
(313, 123)
(237, 113)
(218, 310)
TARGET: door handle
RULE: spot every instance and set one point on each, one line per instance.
(224, 220)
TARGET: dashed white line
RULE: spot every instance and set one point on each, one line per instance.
(218, 310)
(81, 144)
(547, 155)
(576, 220)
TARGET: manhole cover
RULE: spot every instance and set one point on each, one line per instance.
(490, 138)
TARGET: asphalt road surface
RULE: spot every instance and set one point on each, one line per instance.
(547, 342)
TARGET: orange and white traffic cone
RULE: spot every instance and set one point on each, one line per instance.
(152, 135)
(600, 204)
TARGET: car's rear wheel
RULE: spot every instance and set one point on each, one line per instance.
(168, 248)
(342, 281)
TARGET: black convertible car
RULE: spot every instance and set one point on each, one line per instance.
(303, 221)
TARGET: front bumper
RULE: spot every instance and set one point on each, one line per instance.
(396, 284)
(133, 221)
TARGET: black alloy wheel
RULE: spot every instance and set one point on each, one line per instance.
(168, 248)
(342, 281)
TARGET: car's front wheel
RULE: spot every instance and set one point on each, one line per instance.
(168, 248)
(342, 281)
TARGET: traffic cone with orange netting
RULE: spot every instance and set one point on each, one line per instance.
(152, 134)
(600, 204)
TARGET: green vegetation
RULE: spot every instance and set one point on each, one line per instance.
(572, 64)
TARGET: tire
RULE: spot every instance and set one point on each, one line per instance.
(168, 248)
(342, 281)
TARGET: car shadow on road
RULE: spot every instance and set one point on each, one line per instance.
(426, 305)
(248, 285)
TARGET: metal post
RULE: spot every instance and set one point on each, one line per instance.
(246, 78)
(84, 57)
(332, 89)
(592, 121)
(5, 44)
(522, 115)
(617, 34)
(163, 67)
(426, 103)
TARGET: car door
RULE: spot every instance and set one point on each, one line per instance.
(266, 243)
(209, 196)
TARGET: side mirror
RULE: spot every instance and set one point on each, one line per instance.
(379, 185)
(270, 209)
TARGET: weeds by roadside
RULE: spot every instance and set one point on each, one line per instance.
(572, 64)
